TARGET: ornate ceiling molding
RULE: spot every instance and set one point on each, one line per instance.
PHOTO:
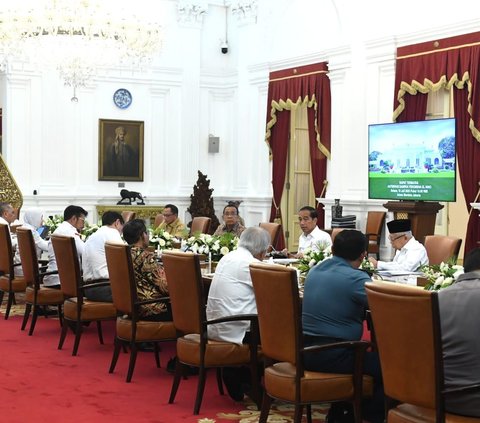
(191, 11)
(245, 10)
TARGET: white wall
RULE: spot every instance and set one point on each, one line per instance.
(51, 144)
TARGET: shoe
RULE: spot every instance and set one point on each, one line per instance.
(145, 346)
(231, 381)
(46, 311)
(340, 412)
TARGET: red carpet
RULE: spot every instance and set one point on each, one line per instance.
(40, 383)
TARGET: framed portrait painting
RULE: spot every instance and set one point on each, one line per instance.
(120, 150)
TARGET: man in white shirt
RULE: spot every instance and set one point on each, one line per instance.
(7, 217)
(7, 214)
(231, 293)
(312, 236)
(72, 225)
(94, 261)
(410, 254)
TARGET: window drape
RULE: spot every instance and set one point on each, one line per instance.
(446, 63)
(287, 90)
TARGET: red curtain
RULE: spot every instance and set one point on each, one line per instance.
(415, 108)
(287, 89)
(319, 167)
(446, 63)
(468, 154)
(279, 147)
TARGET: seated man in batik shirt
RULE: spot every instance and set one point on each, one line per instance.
(231, 223)
(149, 274)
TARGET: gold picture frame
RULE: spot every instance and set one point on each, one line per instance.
(120, 150)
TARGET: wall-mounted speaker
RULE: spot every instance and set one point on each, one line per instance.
(213, 144)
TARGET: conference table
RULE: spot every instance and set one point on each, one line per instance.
(207, 274)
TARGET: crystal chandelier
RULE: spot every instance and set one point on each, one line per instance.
(77, 37)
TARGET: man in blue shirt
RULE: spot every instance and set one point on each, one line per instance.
(334, 305)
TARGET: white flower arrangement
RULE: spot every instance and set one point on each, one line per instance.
(441, 275)
(215, 246)
(312, 257)
(161, 239)
(200, 244)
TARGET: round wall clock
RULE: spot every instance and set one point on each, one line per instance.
(122, 98)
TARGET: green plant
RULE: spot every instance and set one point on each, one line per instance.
(53, 222)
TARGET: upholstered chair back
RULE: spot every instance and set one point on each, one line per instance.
(158, 220)
(279, 320)
(200, 224)
(186, 293)
(28, 256)
(68, 264)
(407, 332)
(442, 248)
(6, 252)
(122, 276)
(128, 215)
(373, 230)
(335, 232)
(273, 229)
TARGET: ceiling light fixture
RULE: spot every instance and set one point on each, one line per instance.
(77, 37)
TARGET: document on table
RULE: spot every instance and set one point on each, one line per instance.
(400, 276)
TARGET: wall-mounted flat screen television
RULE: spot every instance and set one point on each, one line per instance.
(413, 161)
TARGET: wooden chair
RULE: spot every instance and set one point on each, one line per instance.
(281, 338)
(407, 329)
(194, 348)
(158, 220)
(36, 295)
(130, 329)
(442, 248)
(13, 227)
(200, 224)
(76, 308)
(373, 231)
(335, 232)
(9, 283)
(273, 229)
(128, 215)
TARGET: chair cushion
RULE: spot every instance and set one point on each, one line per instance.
(146, 331)
(18, 284)
(217, 353)
(315, 386)
(91, 310)
(46, 296)
(408, 413)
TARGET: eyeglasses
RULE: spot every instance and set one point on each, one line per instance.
(167, 215)
(229, 214)
(394, 239)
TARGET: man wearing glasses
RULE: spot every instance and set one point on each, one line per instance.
(171, 223)
(231, 223)
(409, 255)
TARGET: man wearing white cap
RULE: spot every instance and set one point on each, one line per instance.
(409, 255)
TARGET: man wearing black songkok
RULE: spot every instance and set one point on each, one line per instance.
(409, 255)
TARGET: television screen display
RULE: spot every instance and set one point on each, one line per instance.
(412, 161)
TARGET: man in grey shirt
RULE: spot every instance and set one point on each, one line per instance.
(460, 317)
